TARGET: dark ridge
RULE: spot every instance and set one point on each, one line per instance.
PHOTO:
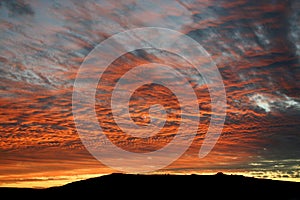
(157, 186)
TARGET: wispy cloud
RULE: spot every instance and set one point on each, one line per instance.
(277, 102)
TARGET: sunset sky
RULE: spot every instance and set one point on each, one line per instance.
(254, 44)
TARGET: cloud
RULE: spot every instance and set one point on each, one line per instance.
(18, 7)
(294, 27)
(269, 102)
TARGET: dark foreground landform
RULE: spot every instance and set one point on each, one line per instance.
(127, 186)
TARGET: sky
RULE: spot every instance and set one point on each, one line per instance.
(254, 44)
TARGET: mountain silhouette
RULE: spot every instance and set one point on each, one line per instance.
(167, 186)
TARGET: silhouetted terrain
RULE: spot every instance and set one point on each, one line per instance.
(156, 186)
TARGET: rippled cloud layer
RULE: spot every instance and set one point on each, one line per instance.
(255, 45)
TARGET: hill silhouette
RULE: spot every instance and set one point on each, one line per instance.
(158, 186)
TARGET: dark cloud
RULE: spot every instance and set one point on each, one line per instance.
(18, 7)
